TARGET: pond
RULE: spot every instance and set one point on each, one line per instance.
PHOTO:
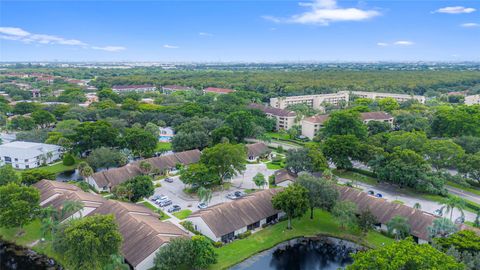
(320, 253)
(13, 257)
(66, 176)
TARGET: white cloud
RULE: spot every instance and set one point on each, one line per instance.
(470, 25)
(403, 43)
(205, 34)
(166, 46)
(110, 48)
(454, 10)
(18, 34)
(324, 12)
(382, 44)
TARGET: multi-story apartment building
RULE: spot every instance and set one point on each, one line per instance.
(168, 89)
(314, 101)
(285, 119)
(27, 155)
(472, 100)
(133, 88)
(375, 95)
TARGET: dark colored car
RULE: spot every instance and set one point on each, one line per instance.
(165, 203)
(371, 192)
(379, 195)
(169, 180)
(174, 208)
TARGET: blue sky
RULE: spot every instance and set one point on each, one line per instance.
(268, 30)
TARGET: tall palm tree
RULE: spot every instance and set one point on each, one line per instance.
(453, 202)
(398, 226)
(417, 206)
(204, 194)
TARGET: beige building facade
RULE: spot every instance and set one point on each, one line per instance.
(472, 100)
(314, 101)
(375, 95)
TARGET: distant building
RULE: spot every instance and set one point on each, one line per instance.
(147, 100)
(472, 100)
(168, 89)
(313, 101)
(285, 119)
(166, 134)
(375, 95)
(78, 82)
(255, 151)
(35, 93)
(376, 116)
(283, 177)
(27, 155)
(133, 88)
(47, 79)
(215, 90)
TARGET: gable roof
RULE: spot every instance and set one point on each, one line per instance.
(257, 149)
(317, 119)
(384, 210)
(230, 216)
(142, 231)
(273, 111)
(218, 90)
(116, 176)
(375, 116)
(283, 175)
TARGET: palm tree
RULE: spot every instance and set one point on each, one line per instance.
(204, 194)
(85, 170)
(145, 167)
(398, 226)
(70, 207)
(453, 202)
(417, 206)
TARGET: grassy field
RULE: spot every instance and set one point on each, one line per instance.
(322, 224)
(183, 214)
(163, 146)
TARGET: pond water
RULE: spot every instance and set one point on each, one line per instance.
(66, 176)
(321, 253)
(13, 257)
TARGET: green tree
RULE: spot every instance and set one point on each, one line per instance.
(293, 200)
(366, 221)
(186, 141)
(140, 142)
(414, 140)
(441, 227)
(204, 194)
(375, 127)
(88, 243)
(104, 157)
(20, 122)
(345, 123)
(19, 205)
(259, 180)
(84, 170)
(453, 202)
(43, 118)
(341, 150)
(152, 129)
(316, 156)
(8, 175)
(388, 104)
(68, 159)
(344, 213)
(222, 133)
(92, 135)
(241, 123)
(226, 160)
(30, 177)
(137, 187)
(321, 192)
(404, 254)
(298, 160)
(470, 166)
(145, 166)
(117, 262)
(443, 154)
(399, 227)
(201, 175)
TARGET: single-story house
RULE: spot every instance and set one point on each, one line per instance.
(225, 221)
(258, 150)
(28, 155)
(284, 177)
(105, 180)
(384, 211)
(142, 231)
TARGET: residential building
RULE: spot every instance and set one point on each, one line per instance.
(225, 221)
(376, 116)
(8, 137)
(35, 93)
(311, 125)
(256, 151)
(375, 95)
(216, 90)
(168, 89)
(105, 180)
(142, 231)
(472, 100)
(134, 88)
(314, 101)
(285, 119)
(28, 155)
(77, 82)
(284, 177)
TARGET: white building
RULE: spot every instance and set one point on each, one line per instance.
(472, 100)
(314, 101)
(27, 155)
(375, 95)
(133, 88)
(285, 119)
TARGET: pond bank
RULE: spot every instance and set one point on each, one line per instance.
(14, 257)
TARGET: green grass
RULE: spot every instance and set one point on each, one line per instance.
(278, 136)
(398, 201)
(150, 206)
(355, 176)
(273, 166)
(468, 189)
(163, 146)
(31, 233)
(322, 224)
(183, 214)
(59, 167)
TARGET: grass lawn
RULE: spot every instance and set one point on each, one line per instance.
(355, 176)
(278, 136)
(163, 146)
(468, 189)
(183, 214)
(273, 166)
(32, 233)
(322, 224)
(150, 206)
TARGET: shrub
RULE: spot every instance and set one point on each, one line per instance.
(245, 234)
(189, 226)
(68, 159)
(217, 244)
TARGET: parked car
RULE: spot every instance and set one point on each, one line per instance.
(460, 220)
(239, 194)
(161, 198)
(174, 208)
(438, 212)
(371, 192)
(202, 205)
(231, 196)
(169, 180)
(165, 203)
(379, 195)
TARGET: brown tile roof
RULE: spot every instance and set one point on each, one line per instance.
(116, 176)
(230, 216)
(317, 119)
(143, 233)
(272, 110)
(375, 116)
(257, 149)
(384, 211)
(218, 90)
(283, 175)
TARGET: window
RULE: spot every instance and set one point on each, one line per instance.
(227, 237)
(16, 159)
(8, 159)
(272, 218)
(26, 160)
(253, 226)
(16, 165)
(26, 166)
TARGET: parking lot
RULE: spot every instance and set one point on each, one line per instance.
(174, 191)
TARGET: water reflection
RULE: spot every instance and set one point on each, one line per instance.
(13, 257)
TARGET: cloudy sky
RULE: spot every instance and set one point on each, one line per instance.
(242, 30)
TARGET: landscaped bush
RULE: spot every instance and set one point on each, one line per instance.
(189, 226)
(217, 244)
(364, 172)
(68, 159)
(282, 218)
(245, 234)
